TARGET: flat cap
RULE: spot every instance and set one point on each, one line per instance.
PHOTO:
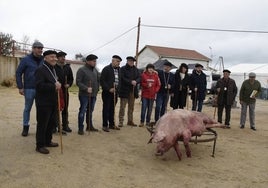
(61, 54)
(167, 63)
(131, 58)
(91, 57)
(252, 74)
(226, 70)
(117, 57)
(49, 52)
(198, 65)
(37, 44)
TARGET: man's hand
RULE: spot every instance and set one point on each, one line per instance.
(58, 85)
(66, 85)
(111, 90)
(89, 90)
(133, 82)
(195, 89)
(21, 91)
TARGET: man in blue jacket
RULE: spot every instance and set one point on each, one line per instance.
(26, 81)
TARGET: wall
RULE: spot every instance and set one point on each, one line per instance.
(8, 66)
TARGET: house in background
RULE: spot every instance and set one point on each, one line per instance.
(151, 54)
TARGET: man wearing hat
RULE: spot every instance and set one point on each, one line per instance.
(88, 80)
(25, 80)
(109, 82)
(166, 79)
(47, 88)
(198, 86)
(226, 91)
(128, 91)
(65, 77)
(250, 89)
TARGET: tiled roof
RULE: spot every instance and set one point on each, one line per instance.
(177, 53)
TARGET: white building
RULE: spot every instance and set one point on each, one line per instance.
(150, 54)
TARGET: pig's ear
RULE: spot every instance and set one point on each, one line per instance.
(160, 136)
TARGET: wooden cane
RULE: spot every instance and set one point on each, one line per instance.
(187, 99)
(195, 100)
(114, 106)
(167, 99)
(89, 104)
(60, 128)
(215, 109)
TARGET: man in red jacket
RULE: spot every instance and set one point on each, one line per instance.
(150, 84)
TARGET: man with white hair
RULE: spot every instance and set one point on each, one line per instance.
(250, 89)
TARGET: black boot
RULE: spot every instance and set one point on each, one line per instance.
(67, 128)
(25, 131)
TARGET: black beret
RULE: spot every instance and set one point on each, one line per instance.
(49, 52)
(148, 66)
(168, 64)
(131, 58)
(61, 54)
(117, 57)
(91, 57)
(226, 70)
(198, 65)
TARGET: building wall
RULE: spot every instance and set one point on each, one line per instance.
(8, 66)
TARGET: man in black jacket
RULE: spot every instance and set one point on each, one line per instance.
(47, 87)
(109, 82)
(129, 77)
(65, 77)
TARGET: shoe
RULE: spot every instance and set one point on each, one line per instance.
(106, 129)
(242, 127)
(141, 124)
(227, 127)
(25, 131)
(80, 132)
(253, 128)
(120, 125)
(67, 129)
(93, 129)
(42, 150)
(52, 144)
(130, 123)
(62, 132)
(114, 127)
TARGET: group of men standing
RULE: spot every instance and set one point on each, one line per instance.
(46, 77)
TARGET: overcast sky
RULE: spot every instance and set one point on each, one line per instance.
(81, 26)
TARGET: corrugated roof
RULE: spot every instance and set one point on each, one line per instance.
(177, 53)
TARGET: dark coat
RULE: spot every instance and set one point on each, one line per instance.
(180, 89)
(165, 77)
(107, 78)
(64, 72)
(231, 90)
(46, 94)
(198, 81)
(126, 75)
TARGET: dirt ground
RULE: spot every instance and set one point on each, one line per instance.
(124, 159)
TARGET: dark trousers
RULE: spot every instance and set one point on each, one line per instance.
(108, 108)
(46, 120)
(227, 113)
(64, 113)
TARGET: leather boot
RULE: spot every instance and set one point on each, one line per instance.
(25, 131)
(67, 128)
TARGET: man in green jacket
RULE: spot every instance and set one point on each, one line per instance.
(247, 96)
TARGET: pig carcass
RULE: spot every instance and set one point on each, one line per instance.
(180, 125)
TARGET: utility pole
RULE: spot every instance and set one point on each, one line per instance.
(138, 40)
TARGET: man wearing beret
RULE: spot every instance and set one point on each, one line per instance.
(65, 77)
(226, 91)
(25, 80)
(88, 80)
(109, 82)
(128, 91)
(47, 87)
(198, 86)
(250, 89)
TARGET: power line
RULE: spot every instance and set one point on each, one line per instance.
(207, 29)
(113, 40)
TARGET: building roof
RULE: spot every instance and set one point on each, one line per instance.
(177, 53)
(249, 67)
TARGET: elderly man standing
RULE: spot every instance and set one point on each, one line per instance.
(247, 96)
(88, 81)
(65, 77)
(26, 81)
(226, 92)
(47, 87)
(129, 77)
(109, 82)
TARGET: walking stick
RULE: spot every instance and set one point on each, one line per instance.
(167, 100)
(114, 107)
(89, 104)
(195, 100)
(187, 99)
(215, 109)
(60, 128)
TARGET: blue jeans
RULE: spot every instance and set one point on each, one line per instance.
(160, 106)
(199, 105)
(29, 96)
(147, 106)
(84, 108)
